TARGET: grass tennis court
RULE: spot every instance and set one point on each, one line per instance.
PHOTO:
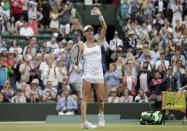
(76, 127)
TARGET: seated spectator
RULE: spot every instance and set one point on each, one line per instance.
(113, 98)
(19, 23)
(2, 100)
(111, 77)
(2, 46)
(11, 26)
(75, 78)
(127, 97)
(25, 89)
(7, 91)
(141, 97)
(163, 62)
(26, 30)
(10, 59)
(170, 80)
(49, 93)
(5, 72)
(19, 97)
(66, 105)
(35, 92)
(52, 44)
(2, 26)
(15, 47)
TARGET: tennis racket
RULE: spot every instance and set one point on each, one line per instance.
(75, 54)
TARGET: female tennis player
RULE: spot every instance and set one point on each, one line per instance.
(93, 73)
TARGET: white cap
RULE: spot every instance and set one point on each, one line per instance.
(87, 27)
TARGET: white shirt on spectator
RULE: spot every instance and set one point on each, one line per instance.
(116, 42)
(143, 82)
(158, 63)
(17, 99)
(26, 31)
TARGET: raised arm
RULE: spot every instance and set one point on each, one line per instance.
(103, 25)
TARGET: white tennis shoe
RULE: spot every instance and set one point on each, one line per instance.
(88, 125)
(101, 121)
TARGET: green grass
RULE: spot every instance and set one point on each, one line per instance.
(76, 127)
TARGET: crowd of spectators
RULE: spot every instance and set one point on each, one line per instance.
(149, 60)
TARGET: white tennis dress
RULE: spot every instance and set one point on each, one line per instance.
(93, 71)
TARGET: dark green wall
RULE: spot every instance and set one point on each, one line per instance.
(39, 112)
(108, 11)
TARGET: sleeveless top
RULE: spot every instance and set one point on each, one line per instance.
(93, 71)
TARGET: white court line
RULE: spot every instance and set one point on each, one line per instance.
(23, 122)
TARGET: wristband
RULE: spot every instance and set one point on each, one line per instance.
(101, 18)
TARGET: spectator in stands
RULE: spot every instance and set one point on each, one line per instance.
(19, 97)
(179, 72)
(144, 78)
(17, 8)
(49, 93)
(19, 24)
(25, 89)
(158, 22)
(45, 10)
(162, 62)
(130, 63)
(113, 98)
(11, 26)
(26, 30)
(49, 73)
(156, 87)
(76, 30)
(10, 59)
(66, 105)
(7, 91)
(32, 45)
(1, 98)
(5, 72)
(34, 16)
(111, 77)
(2, 46)
(130, 81)
(127, 97)
(24, 69)
(132, 41)
(52, 44)
(67, 53)
(114, 44)
(54, 20)
(178, 55)
(2, 26)
(25, 9)
(35, 92)
(35, 64)
(141, 97)
(170, 81)
(28, 53)
(134, 7)
(65, 15)
(177, 12)
(61, 70)
(44, 50)
(5, 5)
(75, 82)
(15, 47)
(124, 8)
